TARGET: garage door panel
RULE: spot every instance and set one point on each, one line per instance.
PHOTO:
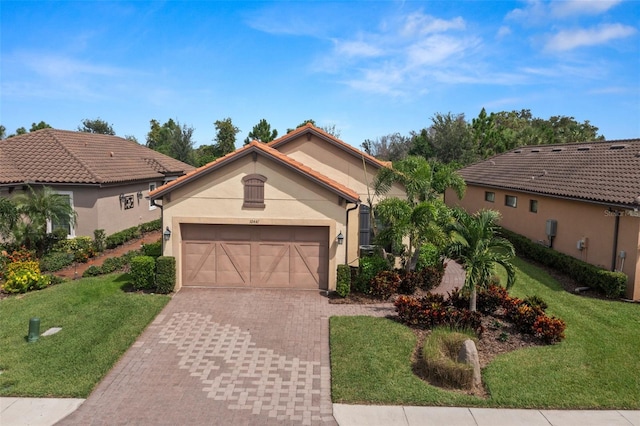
(233, 263)
(257, 256)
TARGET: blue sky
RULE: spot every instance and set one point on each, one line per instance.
(370, 68)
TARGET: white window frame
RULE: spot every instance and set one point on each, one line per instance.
(152, 187)
(72, 228)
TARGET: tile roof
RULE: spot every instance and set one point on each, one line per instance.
(310, 128)
(61, 156)
(260, 148)
(605, 172)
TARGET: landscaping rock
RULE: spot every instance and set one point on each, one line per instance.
(469, 355)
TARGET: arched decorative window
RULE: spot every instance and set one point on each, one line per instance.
(254, 191)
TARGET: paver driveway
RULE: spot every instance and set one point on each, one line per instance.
(228, 357)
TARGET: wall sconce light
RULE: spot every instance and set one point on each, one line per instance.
(121, 197)
(167, 234)
(340, 238)
(139, 195)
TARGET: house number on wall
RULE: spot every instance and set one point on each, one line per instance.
(128, 202)
(254, 221)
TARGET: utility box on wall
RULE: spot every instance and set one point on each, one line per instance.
(551, 228)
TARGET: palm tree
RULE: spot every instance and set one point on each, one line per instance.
(39, 207)
(478, 247)
(415, 224)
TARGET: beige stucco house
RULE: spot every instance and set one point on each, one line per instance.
(105, 178)
(282, 214)
(581, 199)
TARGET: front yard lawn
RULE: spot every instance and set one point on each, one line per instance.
(596, 366)
(99, 322)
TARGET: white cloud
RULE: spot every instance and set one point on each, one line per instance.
(539, 12)
(356, 48)
(503, 31)
(581, 7)
(572, 39)
(419, 24)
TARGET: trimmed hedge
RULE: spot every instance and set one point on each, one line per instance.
(343, 284)
(611, 284)
(165, 274)
(152, 249)
(143, 272)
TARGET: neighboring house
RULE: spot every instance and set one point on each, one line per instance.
(106, 178)
(582, 199)
(282, 214)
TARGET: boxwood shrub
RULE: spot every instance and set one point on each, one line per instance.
(343, 282)
(165, 274)
(142, 272)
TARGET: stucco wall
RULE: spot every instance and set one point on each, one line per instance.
(337, 164)
(290, 199)
(576, 221)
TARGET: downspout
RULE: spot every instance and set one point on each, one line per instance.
(346, 250)
(616, 229)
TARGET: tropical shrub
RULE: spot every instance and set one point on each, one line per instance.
(154, 225)
(409, 282)
(99, 240)
(81, 248)
(369, 267)
(24, 276)
(432, 311)
(165, 274)
(343, 281)
(143, 272)
(92, 271)
(385, 284)
(55, 261)
(431, 276)
(549, 329)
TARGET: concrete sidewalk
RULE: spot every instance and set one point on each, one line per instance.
(48, 411)
(368, 415)
(36, 411)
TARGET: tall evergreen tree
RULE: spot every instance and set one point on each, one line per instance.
(261, 132)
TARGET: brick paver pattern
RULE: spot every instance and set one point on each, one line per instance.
(228, 357)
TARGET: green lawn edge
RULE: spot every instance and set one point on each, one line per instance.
(99, 323)
(597, 366)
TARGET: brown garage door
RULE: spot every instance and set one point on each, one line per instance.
(255, 256)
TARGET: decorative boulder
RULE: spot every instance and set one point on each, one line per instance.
(469, 355)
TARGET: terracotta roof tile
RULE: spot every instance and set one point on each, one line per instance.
(264, 149)
(309, 128)
(607, 172)
(60, 156)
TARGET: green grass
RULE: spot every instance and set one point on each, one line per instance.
(596, 366)
(99, 323)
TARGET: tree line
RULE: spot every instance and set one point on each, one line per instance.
(449, 139)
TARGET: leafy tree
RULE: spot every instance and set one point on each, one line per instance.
(159, 137)
(20, 131)
(205, 154)
(182, 145)
(8, 218)
(448, 139)
(304, 123)
(478, 247)
(261, 132)
(131, 138)
(225, 137)
(331, 129)
(41, 125)
(38, 207)
(3, 132)
(391, 147)
(96, 126)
